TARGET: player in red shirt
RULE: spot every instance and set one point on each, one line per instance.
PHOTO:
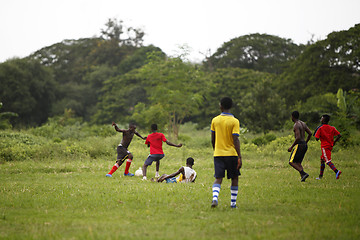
(155, 141)
(326, 134)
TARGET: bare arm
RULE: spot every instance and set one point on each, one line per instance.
(337, 139)
(173, 144)
(237, 148)
(297, 137)
(163, 177)
(138, 134)
(213, 139)
(309, 133)
(116, 127)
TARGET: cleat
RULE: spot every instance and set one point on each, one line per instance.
(305, 176)
(338, 174)
(318, 178)
(214, 203)
(108, 175)
(234, 206)
(129, 175)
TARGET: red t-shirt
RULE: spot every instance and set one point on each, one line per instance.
(156, 140)
(326, 135)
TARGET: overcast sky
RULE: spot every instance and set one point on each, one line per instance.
(29, 25)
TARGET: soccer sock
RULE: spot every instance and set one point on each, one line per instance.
(322, 168)
(114, 168)
(216, 190)
(128, 163)
(302, 173)
(331, 165)
(234, 193)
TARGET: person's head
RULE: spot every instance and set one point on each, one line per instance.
(132, 126)
(190, 161)
(295, 115)
(325, 119)
(154, 127)
(226, 103)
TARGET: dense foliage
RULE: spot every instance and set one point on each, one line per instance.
(115, 78)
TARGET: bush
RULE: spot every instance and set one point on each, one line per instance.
(263, 140)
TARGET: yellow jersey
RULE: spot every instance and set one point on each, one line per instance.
(225, 126)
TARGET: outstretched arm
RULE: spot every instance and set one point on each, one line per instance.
(138, 134)
(116, 127)
(173, 144)
(163, 177)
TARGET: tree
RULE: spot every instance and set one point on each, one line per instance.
(174, 88)
(260, 52)
(5, 118)
(323, 67)
(262, 109)
(27, 88)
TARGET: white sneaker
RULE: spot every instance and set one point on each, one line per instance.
(157, 175)
(144, 178)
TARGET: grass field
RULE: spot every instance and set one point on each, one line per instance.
(70, 198)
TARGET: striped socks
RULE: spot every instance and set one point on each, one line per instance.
(322, 169)
(234, 193)
(216, 191)
(331, 165)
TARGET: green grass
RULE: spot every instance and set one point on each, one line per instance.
(70, 197)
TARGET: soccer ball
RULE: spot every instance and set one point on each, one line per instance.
(138, 172)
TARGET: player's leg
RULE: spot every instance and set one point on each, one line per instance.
(322, 169)
(157, 168)
(219, 166)
(234, 189)
(147, 163)
(327, 156)
(121, 156)
(128, 163)
(296, 157)
(233, 174)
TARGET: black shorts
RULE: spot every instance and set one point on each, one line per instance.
(122, 153)
(229, 164)
(298, 152)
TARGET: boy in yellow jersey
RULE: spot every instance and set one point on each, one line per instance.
(225, 130)
(299, 146)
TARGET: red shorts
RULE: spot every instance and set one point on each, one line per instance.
(326, 154)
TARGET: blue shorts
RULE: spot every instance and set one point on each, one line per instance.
(228, 163)
(153, 157)
(171, 180)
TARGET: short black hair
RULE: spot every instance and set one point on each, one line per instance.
(226, 103)
(190, 161)
(326, 118)
(154, 127)
(295, 114)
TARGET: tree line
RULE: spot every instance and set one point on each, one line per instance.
(115, 77)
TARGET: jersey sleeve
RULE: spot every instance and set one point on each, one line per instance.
(317, 134)
(335, 132)
(212, 126)
(147, 140)
(163, 138)
(236, 128)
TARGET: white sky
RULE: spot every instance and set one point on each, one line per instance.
(29, 25)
